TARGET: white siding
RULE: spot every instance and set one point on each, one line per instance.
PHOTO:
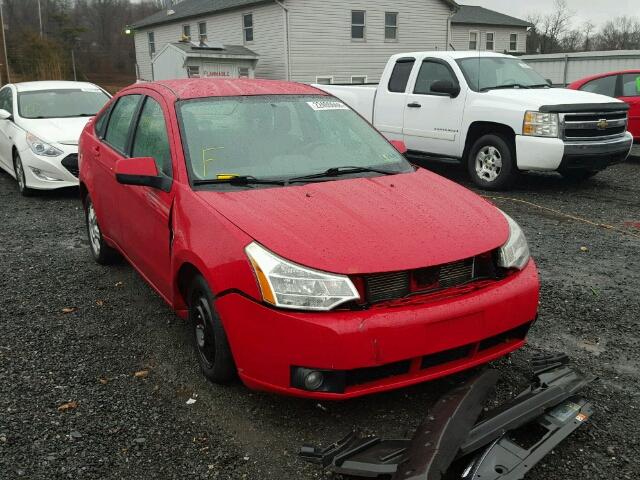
(226, 27)
(320, 36)
(460, 37)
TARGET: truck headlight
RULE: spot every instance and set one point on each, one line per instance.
(40, 147)
(538, 124)
(514, 253)
(288, 285)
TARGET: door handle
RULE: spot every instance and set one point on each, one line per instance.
(414, 105)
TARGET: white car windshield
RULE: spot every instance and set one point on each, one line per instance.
(61, 103)
(279, 137)
(487, 73)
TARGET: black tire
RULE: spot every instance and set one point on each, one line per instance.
(101, 252)
(209, 338)
(491, 162)
(578, 174)
(18, 168)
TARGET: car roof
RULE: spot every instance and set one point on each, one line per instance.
(584, 80)
(52, 85)
(454, 54)
(191, 88)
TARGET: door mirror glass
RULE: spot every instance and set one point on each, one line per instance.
(141, 171)
(399, 146)
(445, 87)
(4, 115)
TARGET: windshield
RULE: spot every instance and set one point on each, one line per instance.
(485, 73)
(279, 137)
(62, 103)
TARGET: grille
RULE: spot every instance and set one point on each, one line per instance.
(593, 126)
(70, 162)
(387, 286)
(456, 273)
(371, 374)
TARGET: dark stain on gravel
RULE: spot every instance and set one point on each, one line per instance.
(72, 331)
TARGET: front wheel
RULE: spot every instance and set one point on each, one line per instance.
(102, 253)
(18, 168)
(491, 162)
(578, 174)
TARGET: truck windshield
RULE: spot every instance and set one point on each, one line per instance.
(486, 73)
(61, 103)
(279, 137)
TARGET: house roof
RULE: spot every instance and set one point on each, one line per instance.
(472, 14)
(227, 50)
(195, 8)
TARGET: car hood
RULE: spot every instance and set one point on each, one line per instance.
(59, 130)
(537, 97)
(367, 225)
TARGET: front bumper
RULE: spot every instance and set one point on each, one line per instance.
(53, 167)
(435, 339)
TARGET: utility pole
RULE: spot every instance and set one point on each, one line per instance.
(73, 60)
(40, 18)
(4, 44)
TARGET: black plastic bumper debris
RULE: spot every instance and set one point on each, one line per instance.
(505, 445)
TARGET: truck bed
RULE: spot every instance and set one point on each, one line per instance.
(359, 97)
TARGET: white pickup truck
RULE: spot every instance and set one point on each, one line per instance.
(494, 113)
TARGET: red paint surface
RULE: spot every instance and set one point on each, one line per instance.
(362, 225)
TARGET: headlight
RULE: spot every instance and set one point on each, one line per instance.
(287, 285)
(39, 147)
(539, 124)
(514, 253)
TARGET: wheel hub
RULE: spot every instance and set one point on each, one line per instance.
(488, 163)
(94, 229)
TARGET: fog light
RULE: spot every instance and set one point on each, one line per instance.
(44, 175)
(313, 380)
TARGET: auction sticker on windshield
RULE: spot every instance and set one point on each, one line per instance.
(327, 105)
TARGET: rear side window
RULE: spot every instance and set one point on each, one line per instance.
(431, 72)
(101, 123)
(120, 122)
(603, 86)
(400, 75)
(151, 139)
(631, 85)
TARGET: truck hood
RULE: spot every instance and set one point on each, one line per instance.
(537, 97)
(58, 130)
(367, 225)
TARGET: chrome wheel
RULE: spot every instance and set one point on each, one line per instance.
(19, 174)
(94, 230)
(488, 163)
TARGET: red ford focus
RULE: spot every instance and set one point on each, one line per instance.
(310, 257)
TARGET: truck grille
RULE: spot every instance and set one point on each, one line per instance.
(70, 162)
(593, 126)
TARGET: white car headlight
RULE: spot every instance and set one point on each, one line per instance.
(40, 147)
(538, 124)
(288, 285)
(514, 253)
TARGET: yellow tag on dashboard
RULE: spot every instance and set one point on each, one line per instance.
(226, 176)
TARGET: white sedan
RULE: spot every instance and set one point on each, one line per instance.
(40, 124)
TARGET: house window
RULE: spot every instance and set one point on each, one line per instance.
(152, 43)
(247, 27)
(202, 32)
(324, 80)
(357, 24)
(193, 71)
(391, 26)
(473, 40)
(186, 32)
(490, 43)
(243, 72)
(513, 42)
(359, 79)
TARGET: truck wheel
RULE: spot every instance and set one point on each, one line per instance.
(491, 163)
(209, 337)
(102, 253)
(578, 175)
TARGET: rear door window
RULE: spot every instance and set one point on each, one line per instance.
(602, 86)
(631, 85)
(400, 75)
(151, 139)
(120, 122)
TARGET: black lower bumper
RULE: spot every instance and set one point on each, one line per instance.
(595, 156)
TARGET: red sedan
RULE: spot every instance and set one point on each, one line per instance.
(310, 257)
(624, 85)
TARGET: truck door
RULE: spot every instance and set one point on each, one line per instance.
(390, 102)
(432, 120)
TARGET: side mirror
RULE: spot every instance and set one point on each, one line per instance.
(445, 87)
(399, 146)
(4, 115)
(549, 82)
(141, 171)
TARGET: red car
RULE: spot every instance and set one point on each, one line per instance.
(624, 85)
(310, 257)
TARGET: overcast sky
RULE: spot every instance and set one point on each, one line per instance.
(598, 11)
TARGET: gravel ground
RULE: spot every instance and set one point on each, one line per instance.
(99, 345)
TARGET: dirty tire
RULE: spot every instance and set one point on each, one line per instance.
(491, 162)
(209, 338)
(18, 168)
(578, 175)
(101, 252)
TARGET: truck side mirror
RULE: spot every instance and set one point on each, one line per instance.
(445, 87)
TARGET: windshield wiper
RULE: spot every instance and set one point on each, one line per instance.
(240, 180)
(510, 85)
(337, 171)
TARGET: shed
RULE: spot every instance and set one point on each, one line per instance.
(186, 59)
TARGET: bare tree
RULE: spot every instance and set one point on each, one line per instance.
(587, 28)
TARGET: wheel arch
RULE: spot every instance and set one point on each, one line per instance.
(480, 128)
